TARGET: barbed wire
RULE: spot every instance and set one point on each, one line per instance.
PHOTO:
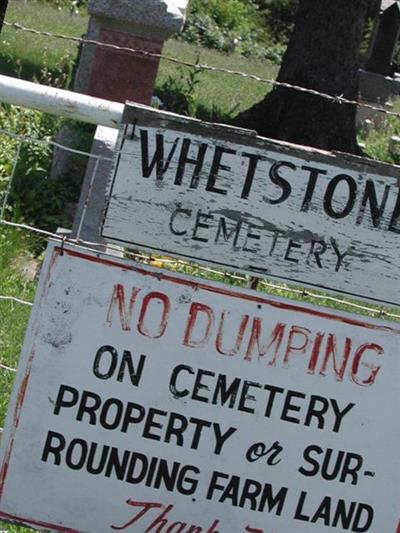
(35, 140)
(171, 263)
(340, 99)
(16, 300)
(8, 368)
(195, 267)
(163, 262)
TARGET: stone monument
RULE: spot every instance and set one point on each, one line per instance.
(143, 25)
(119, 76)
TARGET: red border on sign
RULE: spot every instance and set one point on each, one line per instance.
(57, 252)
(228, 292)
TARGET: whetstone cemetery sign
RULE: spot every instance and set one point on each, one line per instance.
(215, 194)
(149, 401)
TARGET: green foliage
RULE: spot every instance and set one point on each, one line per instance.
(376, 138)
(61, 76)
(14, 281)
(15, 253)
(34, 197)
(279, 17)
(179, 94)
(253, 28)
(232, 15)
(230, 26)
(23, 54)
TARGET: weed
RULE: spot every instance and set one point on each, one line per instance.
(376, 138)
(178, 93)
(14, 246)
(61, 75)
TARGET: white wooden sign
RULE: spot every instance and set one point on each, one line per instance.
(149, 401)
(212, 194)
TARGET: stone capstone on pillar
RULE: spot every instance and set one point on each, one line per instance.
(167, 16)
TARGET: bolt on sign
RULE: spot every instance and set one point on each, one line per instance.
(150, 401)
(219, 195)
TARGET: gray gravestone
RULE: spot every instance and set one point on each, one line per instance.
(386, 35)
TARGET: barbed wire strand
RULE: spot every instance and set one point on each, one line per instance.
(14, 299)
(143, 257)
(201, 66)
(34, 140)
(7, 368)
(93, 247)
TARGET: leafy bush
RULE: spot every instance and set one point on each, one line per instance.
(226, 25)
(376, 137)
(201, 29)
(246, 27)
(179, 94)
(34, 197)
(233, 15)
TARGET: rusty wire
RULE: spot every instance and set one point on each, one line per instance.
(339, 98)
(170, 263)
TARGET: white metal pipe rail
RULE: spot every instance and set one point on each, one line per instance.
(60, 102)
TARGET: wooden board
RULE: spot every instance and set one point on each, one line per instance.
(146, 398)
(225, 197)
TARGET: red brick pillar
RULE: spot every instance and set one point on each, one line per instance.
(138, 24)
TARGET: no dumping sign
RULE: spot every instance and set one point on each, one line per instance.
(150, 401)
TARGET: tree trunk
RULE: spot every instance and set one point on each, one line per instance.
(323, 54)
(3, 9)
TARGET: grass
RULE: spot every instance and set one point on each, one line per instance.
(376, 137)
(15, 280)
(223, 91)
(18, 268)
(24, 54)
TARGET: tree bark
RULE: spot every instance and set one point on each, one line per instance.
(3, 9)
(323, 54)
